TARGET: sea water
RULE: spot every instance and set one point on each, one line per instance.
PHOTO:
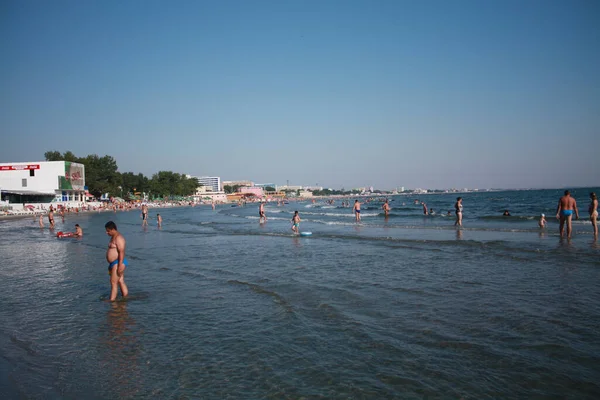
(222, 306)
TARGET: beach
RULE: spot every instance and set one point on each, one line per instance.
(221, 306)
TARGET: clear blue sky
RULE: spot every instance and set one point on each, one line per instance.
(342, 93)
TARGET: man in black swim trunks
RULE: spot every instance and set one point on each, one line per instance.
(261, 213)
(144, 214)
(51, 217)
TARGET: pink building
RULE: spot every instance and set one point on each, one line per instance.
(257, 191)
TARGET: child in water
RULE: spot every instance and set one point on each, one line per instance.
(296, 223)
(542, 222)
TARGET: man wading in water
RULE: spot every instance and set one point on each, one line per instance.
(115, 255)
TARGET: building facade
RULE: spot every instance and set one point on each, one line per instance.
(42, 182)
(213, 182)
(255, 190)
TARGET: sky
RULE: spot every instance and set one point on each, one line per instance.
(340, 94)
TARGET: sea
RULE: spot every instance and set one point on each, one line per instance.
(222, 306)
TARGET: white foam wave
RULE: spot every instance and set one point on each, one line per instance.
(332, 222)
(347, 215)
(268, 218)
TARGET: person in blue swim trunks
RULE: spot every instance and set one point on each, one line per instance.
(564, 212)
(356, 210)
(115, 255)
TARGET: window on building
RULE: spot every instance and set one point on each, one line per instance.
(24, 182)
(32, 172)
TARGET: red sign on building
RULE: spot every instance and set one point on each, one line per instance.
(19, 167)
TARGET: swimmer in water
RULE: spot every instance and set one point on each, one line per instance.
(506, 213)
(78, 231)
(159, 219)
(115, 255)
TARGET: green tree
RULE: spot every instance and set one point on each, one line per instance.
(270, 189)
(53, 156)
(132, 183)
(57, 156)
(231, 189)
(168, 183)
(101, 175)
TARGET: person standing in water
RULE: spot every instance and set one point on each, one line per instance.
(51, 217)
(159, 220)
(261, 213)
(115, 255)
(386, 208)
(593, 210)
(542, 221)
(356, 210)
(296, 223)
(564, 212)
(144, 214)
(458, 209)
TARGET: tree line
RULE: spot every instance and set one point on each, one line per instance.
(102, 176)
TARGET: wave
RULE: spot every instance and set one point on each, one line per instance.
(512, 218)
(261, 290)
(419, 215)
(349, 214)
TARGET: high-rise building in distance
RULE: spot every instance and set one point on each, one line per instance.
(213, 182)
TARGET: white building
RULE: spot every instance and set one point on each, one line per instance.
(211, 181)
(288, 187)
(217, 197)
(313, 188)
(42, 182)
(305, 194)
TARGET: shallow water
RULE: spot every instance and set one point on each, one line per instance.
(223, 307)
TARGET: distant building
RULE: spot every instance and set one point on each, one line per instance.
(305, 194)
(289, 187)
(313, 188)
(217, 197)
(255, 190)
(211, 181)
(266, 185)
(203, 189)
